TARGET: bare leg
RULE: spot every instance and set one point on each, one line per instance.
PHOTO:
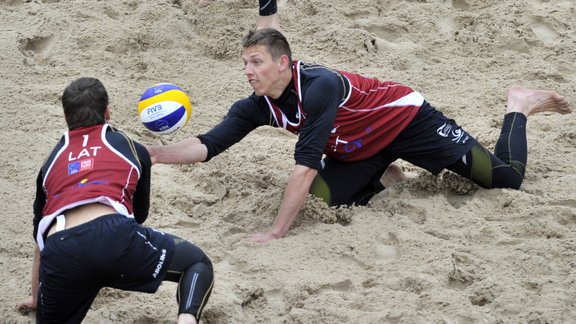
(529, 101)
(272, 21)
(392, 176)
(186, 319)
(204, 3)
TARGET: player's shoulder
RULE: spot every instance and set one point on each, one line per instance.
(115, 135)
(319, 81)
(314, 73)
(127, 146)
(314, 69)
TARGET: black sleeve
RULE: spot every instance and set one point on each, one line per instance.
(141, 198)
(39, 203)
(243, 117)
(320, 100)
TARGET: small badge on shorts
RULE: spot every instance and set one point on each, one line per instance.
(458, 134)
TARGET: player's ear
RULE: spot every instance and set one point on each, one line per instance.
(285, 62)
(107, 113)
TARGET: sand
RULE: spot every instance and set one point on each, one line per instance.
(430, 250)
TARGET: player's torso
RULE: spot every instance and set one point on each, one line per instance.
(370, 114)
(88, 163)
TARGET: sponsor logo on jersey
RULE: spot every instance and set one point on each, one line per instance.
(82, 165)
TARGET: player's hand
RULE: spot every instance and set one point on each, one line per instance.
(27, 305)
(263, 237)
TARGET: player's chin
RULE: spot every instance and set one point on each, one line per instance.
(258, 92)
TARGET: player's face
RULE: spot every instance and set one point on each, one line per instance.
(262, 71)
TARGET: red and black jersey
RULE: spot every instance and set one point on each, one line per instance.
(371, 114)
(93, 164)
(346, 116)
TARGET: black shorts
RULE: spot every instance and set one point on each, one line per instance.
(110, 251)
(431, 141)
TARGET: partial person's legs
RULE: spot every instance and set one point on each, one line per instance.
(392, 176)
(67, 282)
(150, 257)
(489, 171)
(61, 298)
(351, 183)
(192, 269)
(505, 168)
(267, 15)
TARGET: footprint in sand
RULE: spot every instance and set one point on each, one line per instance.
(34, 46)
(386, 37)
(462, 274)
(460, 5)
(544, 31)
(341, 286)
(228, 263)
(447, 25)
(387, 249)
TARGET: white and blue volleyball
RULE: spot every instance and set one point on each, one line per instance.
(164, 108)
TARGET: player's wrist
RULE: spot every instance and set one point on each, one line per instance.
(275, 235)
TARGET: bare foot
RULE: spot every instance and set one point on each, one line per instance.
(529, 101)
(204, 3)
(392, 176)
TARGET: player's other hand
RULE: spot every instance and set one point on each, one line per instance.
(263, 237)
(27, 305)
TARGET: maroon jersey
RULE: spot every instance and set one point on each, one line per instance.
(369, 118)
(90, 164)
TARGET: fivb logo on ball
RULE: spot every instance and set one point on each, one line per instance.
(164, 108)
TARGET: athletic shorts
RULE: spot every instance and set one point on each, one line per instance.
(431, 141)
(110, 251)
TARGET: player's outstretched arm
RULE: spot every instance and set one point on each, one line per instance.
(188, 151)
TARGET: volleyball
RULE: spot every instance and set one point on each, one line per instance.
(164, 108)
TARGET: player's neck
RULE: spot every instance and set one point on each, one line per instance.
(281, 84)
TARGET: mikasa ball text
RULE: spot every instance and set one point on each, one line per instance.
(164, 108)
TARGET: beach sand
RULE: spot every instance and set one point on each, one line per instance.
(429, 250)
